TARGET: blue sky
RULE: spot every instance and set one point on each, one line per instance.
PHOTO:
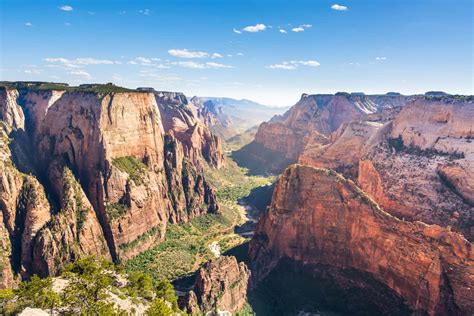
(267, 51)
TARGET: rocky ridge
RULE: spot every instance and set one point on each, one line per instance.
(221, 285)
(108, 173)
(317, 217)
(417, 164)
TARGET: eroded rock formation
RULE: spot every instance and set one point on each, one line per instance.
(317, 217)
(417, 163)
(310, 122)
(221, 284)
(115, 172)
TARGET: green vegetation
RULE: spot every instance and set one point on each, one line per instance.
(132, 166)
(35, 293)
(256, 159)
(73, 194)
(49, 86)
(88, 287)
(149, 234)
(238, 141)
(115, 210)
(186, 246)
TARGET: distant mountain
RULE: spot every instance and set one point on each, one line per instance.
(228, 117)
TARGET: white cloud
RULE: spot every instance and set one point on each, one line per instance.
(144, 60)
(80, 72)
(93, 61)
(31, 71)
(294, 64)
(283, 65)
(195, 65)
(311, 63)
(338, 7)
(240, 54)
(283, 31)
(217, 65)
(145, 12)
(28, 24)
(66, 8)
(184, 53)
(189, 64)
(78, 62)
(380, 58)
(216, 55)
(255, 28)
(237, 31)
(301, 28)
(150, 62)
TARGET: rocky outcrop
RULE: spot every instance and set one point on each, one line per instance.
(221, 284)
(343, 149)
(416, 162)
(180, 117)
(72, 233)
(317, 217)
(420, 168)
(311, 121)
(105, 160)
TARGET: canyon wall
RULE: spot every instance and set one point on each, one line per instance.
(98, 172)
(310, 122)
(221, 284)
(416, 163)
(317, 217)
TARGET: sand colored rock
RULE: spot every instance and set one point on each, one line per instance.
(324, 114)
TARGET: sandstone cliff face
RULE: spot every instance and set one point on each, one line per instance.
(422, 167)
(114, 176)
(343, 149)
(221, 284)
(417, 163)
(180, 117)
(311, 121)
(318, 113)
(318, 217)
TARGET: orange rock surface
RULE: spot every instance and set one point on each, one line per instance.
(319, 217)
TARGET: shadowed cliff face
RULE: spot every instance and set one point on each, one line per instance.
(317, 217)
(107, 175)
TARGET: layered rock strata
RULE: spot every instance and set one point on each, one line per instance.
(221, 284)
(317, 217)
(89, 171)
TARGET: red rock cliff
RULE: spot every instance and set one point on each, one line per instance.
(319, 217)
(127, 177)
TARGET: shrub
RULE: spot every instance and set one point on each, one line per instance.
(132, 166)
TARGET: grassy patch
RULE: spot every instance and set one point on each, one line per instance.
(186, 246)
(149, 234)
(50, 86)
(115, 210)
(132, 166)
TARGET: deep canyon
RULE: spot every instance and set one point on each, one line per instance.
(363, 204)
